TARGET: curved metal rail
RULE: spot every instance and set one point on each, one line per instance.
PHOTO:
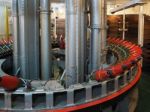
(51, 96)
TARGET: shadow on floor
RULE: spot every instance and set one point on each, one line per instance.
(144, 91)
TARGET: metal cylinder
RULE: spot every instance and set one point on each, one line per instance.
(81, 36)
(23, 35)
(15, 35)
(71, 32)
(83, 42)
(76, 26)
(45, 40)
(95, 34)
(29, 38)
(141, 27)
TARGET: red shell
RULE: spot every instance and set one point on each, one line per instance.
(10, 82)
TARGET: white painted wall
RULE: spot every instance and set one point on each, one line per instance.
(2, 21)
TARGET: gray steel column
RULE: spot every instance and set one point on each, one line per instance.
(78, 37)
(83, 43)
(45, 39)
(71, 27)
(15, 35)
(81, 30)
(29, 38)
(34, 38)
(76, 26)
(95, 34)
(22, 5)
(76, 41)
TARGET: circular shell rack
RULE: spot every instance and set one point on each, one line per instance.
(104, 86)
(6, 48)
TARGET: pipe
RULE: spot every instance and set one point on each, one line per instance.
(71, 77)
(29, 38)
(95, 35)
(46, 55)
(124, 26)
(76, 30)
(6, 24)
(15, 35)
(141, 27)
(23, 41)
(81, 36)
(84, 41)
(79, 64)
(34, 39)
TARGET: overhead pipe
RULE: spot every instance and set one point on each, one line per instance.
(95, 49)
(46, 55)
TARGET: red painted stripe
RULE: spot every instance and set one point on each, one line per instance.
(102, 100)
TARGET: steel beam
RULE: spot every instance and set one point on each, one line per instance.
(45, 39)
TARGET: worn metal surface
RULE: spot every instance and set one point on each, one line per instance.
(45, 40)
(71, 42)
(56, 97)
(15, 34)
(96, 12)
(29, 38)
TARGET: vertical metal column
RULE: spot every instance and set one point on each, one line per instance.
(83, 43)
(45, 40)
(71, 27)
(95, 34)
(79, 64)
(29, 38)
(141, 27)
(81, 30)
(71, 42)
(15, 35)
(124, 25)
(76, 25)
(6, 23)
(22, 5)
(34, 38)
